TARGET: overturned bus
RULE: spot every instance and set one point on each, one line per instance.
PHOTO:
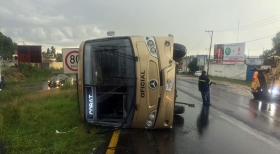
(128, 82)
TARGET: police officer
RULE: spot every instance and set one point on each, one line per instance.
(204, 87)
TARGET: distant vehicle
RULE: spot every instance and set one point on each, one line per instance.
(2, 83)
(74, 79)
(266, 82)
(197, 73)
(63, 77)
(55, 81)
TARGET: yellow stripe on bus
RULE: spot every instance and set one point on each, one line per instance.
(113, 142)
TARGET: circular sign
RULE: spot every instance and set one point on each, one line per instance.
(71, 60)
(228, 51)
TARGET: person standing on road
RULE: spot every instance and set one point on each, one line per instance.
(204, 87)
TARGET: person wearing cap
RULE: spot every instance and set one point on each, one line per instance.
(204, 87)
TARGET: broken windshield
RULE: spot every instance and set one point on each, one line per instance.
(109, 63)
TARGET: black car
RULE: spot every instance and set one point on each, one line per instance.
(55, 81)
(63, 77)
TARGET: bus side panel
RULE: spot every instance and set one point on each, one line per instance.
(166, 108)
(80, 82)
(146, 98)
(165, 53)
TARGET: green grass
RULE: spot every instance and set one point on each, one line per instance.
(28, 123)
(24, 73)
(235, 81)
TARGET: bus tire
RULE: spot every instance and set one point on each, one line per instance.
(179, 51)
(257, 95)
(178, 109)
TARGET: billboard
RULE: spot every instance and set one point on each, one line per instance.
(200, 61)
(29, 53)
(219, 53)
(229, 53)
(202, 56)
(254, 61)
(192, 57)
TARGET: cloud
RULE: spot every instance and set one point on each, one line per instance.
(68, 22)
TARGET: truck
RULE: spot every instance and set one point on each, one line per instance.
(266, 82)
(129, 81)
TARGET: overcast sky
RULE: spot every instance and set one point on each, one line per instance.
(66, 23)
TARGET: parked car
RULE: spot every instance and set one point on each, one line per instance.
(74, 79)
(197, 73)
(2, 82)
(63, 77)
(55, 81)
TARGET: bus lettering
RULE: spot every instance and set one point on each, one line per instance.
(90, 105)
(142, 88)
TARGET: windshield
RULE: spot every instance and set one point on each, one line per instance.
(109, 63)
(54, 78)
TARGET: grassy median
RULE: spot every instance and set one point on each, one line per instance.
(235, 81)
(44, 122)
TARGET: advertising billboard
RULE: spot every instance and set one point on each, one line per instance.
(219, 53)
(191, 57)
(254, 61)
(229, 53)
(29, 53)
(200, 61)
(202, 56)
(234, 53)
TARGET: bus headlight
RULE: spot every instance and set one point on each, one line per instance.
(153, 51)
(151, 45)
(151, 119)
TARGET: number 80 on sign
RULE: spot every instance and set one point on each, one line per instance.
(70, 60)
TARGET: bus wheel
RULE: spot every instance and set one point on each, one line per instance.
(179, 51)
(178, 109)
(257, 95)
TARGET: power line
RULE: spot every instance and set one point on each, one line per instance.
(261, 24)
(260, 38)
(263, 19)
(256, 24)
(199, 41)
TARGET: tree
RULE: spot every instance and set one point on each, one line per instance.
(266, 54)
(7, 47)
(53, 50)
(59, 57)
(48, 51)
(275, 51)
(193, 65)
(276, 44)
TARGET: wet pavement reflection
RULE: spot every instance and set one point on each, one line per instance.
(145, 141)
(202, 120)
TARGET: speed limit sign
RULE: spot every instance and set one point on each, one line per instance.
(70, 60)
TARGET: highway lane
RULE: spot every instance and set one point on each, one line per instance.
(232, 124)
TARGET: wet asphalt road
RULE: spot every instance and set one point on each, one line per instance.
(233, 124)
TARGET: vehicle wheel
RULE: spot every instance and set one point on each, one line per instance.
(179, 51)
(178, 109)
(257, 95)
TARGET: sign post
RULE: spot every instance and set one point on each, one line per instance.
(70, 60)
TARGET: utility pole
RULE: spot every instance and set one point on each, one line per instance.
(186, 62)
(209, 50)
